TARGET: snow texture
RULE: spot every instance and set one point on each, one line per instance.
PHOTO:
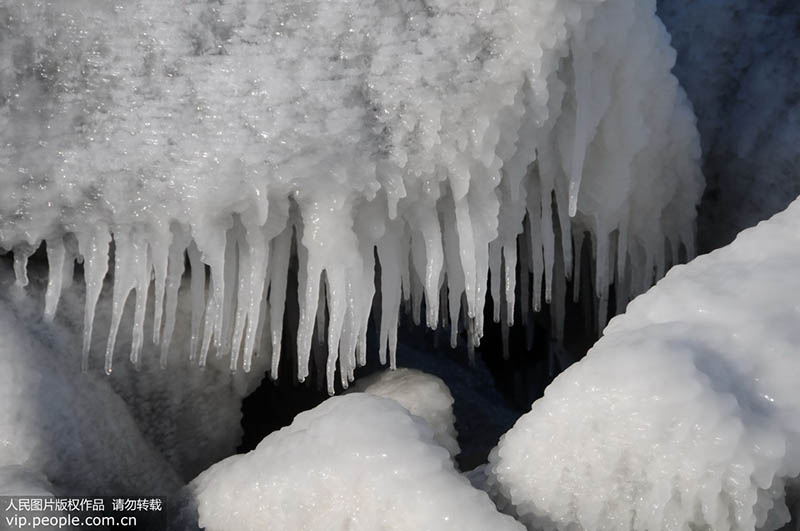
(423, 395)
(685, 415)
(739, 62)
(353, 462)
(437, 135)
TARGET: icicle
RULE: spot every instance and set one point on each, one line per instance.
(428, 258)
(416, 298)
(455, 274)
(466, 253)
(263, 346)
(126, 253)
(21, 254)
(144, 268)
(198, 291)
(56, 254)
(308, 285)
(337, 300)
(252, 267)
(510, 279)
(159, 251)
(258, 264)
(389, 251)
(213, 247)
(175, 269)
(223, 330)
(367, 290)
(94, 249)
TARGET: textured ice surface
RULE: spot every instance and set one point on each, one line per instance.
(353, 462)
(423, 395)
(685, 414)
(437, 133)
(740, 64)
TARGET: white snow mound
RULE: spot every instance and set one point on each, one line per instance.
(353, 462)
(685, 414)
(423, 395)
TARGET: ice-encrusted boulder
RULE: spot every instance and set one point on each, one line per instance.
(423, 395)
(354, 462)
(685, 415)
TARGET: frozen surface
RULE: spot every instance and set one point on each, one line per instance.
(353, 462)
(685, 414)
(423, 395)
(438, 133)
(739, 61)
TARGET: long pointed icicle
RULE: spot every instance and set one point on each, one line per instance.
(56, 255)
(175, 269)
(143, 270)
(126, 252)
(198, 290)
(94, 249)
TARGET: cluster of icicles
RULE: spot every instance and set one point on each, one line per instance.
(572, 128)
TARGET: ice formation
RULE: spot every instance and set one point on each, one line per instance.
(353, 462)
(423, 395)
(685, 415)
(435, 136)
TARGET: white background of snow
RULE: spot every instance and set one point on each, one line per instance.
(686, 413)
(423, 395)
(353, 462)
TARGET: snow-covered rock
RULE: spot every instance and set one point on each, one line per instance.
(423, 395)
(428, 131)
(354, 462)
(685, 415)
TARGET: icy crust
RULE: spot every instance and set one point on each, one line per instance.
(423, 395)
(439, 134)
(685, 414)
(353, 462)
